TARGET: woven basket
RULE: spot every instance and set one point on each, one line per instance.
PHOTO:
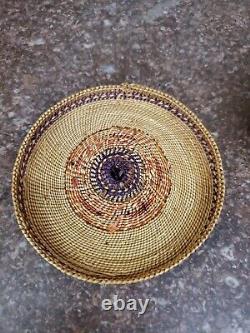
(117, 184)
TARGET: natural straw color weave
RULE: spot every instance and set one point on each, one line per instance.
(117, 184)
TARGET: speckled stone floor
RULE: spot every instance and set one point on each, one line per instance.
(196, 50)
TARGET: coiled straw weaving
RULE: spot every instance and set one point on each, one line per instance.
(117, 184)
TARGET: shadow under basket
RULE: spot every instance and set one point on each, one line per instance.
(117, 184)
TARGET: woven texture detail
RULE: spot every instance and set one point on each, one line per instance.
(117, 184)
(117, 179)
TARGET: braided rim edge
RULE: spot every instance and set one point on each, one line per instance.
(125, 279)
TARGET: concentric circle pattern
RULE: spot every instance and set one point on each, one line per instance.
(117, 184)
(117, 179)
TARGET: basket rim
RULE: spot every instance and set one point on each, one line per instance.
(122, 279)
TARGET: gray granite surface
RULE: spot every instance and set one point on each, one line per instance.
(196, 50)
